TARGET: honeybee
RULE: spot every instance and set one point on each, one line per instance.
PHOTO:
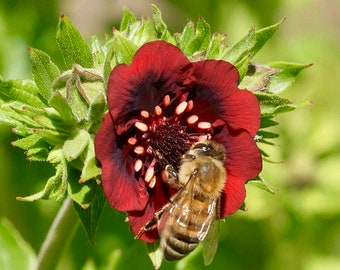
(193, 213)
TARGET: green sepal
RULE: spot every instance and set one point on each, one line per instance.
(262, 184)
(81, 193)
(155, 253)
(200, 39)
(55, 187)
(60, 104)
(124, 49)
(97, 52)
(142, 32)
(90, 216)
(74, 147)
(272, 104)
(161, 28)
(285, 76)
(257, 77)
(72, 46)
(90, 167)
(216, 46)
(127, 20)
(250, 44)
(36, 146)
(24, 91)
(44, 72)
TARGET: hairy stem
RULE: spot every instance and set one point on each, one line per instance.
(59, 236)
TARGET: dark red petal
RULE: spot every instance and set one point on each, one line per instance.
(158, 68)
(243, 162)
(123, 191)
(219, 97)
(138, 219)
(233, 196)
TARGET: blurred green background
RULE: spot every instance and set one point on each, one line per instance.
(298, 228)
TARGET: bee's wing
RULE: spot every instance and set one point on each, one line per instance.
(210, 242)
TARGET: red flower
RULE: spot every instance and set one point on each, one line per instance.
(162, 102)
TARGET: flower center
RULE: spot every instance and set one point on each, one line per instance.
(164, 135)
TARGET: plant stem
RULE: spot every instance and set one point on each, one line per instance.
(58, 237)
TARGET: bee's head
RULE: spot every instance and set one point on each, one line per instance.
(206, 148)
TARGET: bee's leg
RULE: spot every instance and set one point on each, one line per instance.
(152, 223)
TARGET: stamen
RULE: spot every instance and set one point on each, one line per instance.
(204, 125)
(138, 165)
(141, 126)
(144, 114)
(158, 110)
(181, 107)
(150, 172)
(190, 105)
(139, 150)
(152, 182)
(166, 100)
(132, 140)
(192, 119)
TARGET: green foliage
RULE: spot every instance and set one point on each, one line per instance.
(13, 247)
(58, 113)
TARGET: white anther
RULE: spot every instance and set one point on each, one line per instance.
(138, 165)
(132, 140)
(181, 107)
(141, 126)
(152, 182)
(158, 110)
(150, 172)
(166, 100)
(192, 119)
(139, 150)
(204, 125)
(144, 114)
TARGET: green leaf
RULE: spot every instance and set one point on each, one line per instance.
(71, 44)
(44, 72)
(241, 49)
(90, 216)
(263, 35)
(286, 75)
(61, 105)
(155, 253)
(262, 184)
(160, 26)
(36, 146)
(216, 46)
(55, 187)
(272, 104)
(257, 77)
(123, 49)
(97, 52)
(143, 33)
(15, 251)
(74, 147)
(201, 39)
(127, 20)
(82, 193)
(24, 91)
(90, 168)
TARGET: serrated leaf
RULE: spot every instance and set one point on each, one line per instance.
(97, 52)
(24, 91)
(81, 193)
(270, 104)
(216, 46)
(90, 216)
(60, 104)
(123, 49)
(262, 184)
(160, 26)
(127, 20)
(144, 33)
(155, 253)
(55, 187)
(187, 34)
(74, 147)
(44, 72)
(286, 75)
(201, 39)
(71, 44)
(257, 77)
(240, 49)
(15, 252)
(263, 35)
(90, 168)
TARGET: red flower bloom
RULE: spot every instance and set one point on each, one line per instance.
(162, 102)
